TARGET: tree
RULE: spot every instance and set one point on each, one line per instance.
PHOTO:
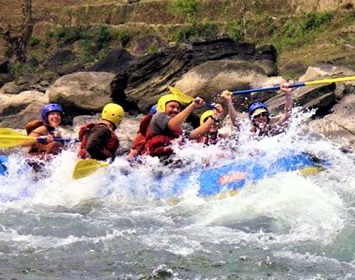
(18, 37)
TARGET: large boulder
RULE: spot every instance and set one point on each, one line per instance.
(340, 125)
(209, 79)
(17, 110)
(82, 92)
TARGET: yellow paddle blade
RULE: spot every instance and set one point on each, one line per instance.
(311, 170)
(184, 98)
(86, 167)
(11, 138)
(329, 81)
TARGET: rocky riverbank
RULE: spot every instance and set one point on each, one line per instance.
(203, 69)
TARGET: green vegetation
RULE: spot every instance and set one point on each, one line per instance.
(234, 31)
(94, 28)
(100, 36)
(20, 69)
(92, 41)
(186, 9)
(123, 38)
(197, 32)
(296, 31)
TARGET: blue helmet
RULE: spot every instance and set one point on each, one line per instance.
(255, 106)
(153, 109)
(51, 107)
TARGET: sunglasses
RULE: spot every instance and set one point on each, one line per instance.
(263, 114)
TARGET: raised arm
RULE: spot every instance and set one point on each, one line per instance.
(227, 96)
(288, 103)
(205, 127)
(177, 121)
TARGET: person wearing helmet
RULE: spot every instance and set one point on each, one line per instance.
(166, 125)
(45, 130)
(260, 116)
(98, 140)
(153, 109)
(211, 137)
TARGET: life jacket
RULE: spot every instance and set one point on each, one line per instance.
(140, 139)
(32, 125)
(157, 145)
(209, 139)
(39, 149)
(109, 149)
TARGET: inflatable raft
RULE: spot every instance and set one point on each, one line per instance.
(235, 175)
(3, 168)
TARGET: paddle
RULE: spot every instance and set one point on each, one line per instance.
(11, 138)
(86, 167)
(184, 98)
(295, 85)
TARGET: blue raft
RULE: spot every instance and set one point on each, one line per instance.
(3, 168)
(234, 176)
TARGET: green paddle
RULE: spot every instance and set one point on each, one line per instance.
(86, 167)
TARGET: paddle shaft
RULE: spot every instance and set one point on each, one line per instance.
(65, 140)
(295, 85)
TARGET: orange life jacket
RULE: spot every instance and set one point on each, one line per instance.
(40, 149)
(109, 149)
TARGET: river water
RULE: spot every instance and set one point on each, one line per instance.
(111, 225)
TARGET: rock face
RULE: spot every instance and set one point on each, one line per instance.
(340, 125)
(114, 62)
(146, 78)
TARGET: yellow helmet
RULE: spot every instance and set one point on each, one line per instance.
(113, 113)
(165, 99)
(206, 115)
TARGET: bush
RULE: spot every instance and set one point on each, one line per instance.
(197, 31)
(123, 37)
(67, 34)
(313, 21)
(233, 31)
(100, 36)
(185, 8)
